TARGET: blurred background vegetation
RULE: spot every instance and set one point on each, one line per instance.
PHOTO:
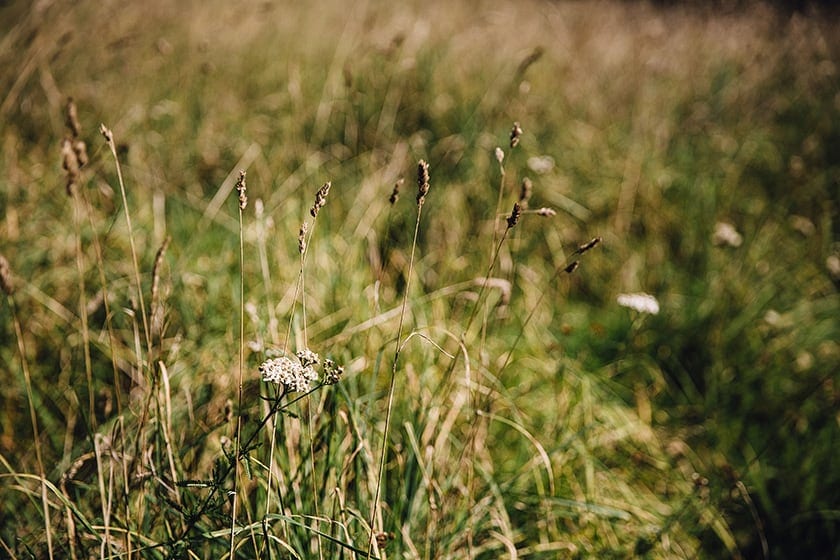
(652, 126)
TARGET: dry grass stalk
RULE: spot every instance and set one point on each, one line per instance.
(156, 309)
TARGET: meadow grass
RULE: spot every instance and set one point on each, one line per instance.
(479, 392)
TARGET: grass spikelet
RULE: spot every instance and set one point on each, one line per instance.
(395, 194)
(320, 199)
(304, 227)
(422, 181)
(587, 246)
(72, 118)
(241, 189)
(515, 214)
(70, 164)
(515, 134)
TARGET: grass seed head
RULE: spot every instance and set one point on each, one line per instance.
(513, 219)
(241, 188)
(588, 245)
(107, 134)
(422, 181)
(72, 119)
(515, 133)
(320, 199)
(395, 194)
(500, 155)
(525, 192)
(304, 227)
(70, 164)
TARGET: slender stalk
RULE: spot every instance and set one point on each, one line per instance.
(34, 420)
(109, 138)
(423, 189)
(83, 310)
(243, 201)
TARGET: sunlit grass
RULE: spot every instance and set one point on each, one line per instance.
(525, 411)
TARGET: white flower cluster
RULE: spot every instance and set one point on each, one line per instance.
(294, 376)
(643, 303)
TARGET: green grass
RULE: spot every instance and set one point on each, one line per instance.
(534, 417)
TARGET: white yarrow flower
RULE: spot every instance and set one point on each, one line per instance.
(643, 303)
(726, 234)
(541, 164)
(294, 377)
(308, 358)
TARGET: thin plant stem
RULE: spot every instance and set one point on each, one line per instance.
(109, 138)
(34, 420)
(567, 267)
(392, 384)
(237, 440)
(83, 311)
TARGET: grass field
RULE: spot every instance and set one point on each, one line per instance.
(482, 387)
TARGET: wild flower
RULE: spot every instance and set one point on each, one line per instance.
(332, 372)
(541, 164)
(641, 302)
(726, 234)
(293, 376)
(308, 358)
